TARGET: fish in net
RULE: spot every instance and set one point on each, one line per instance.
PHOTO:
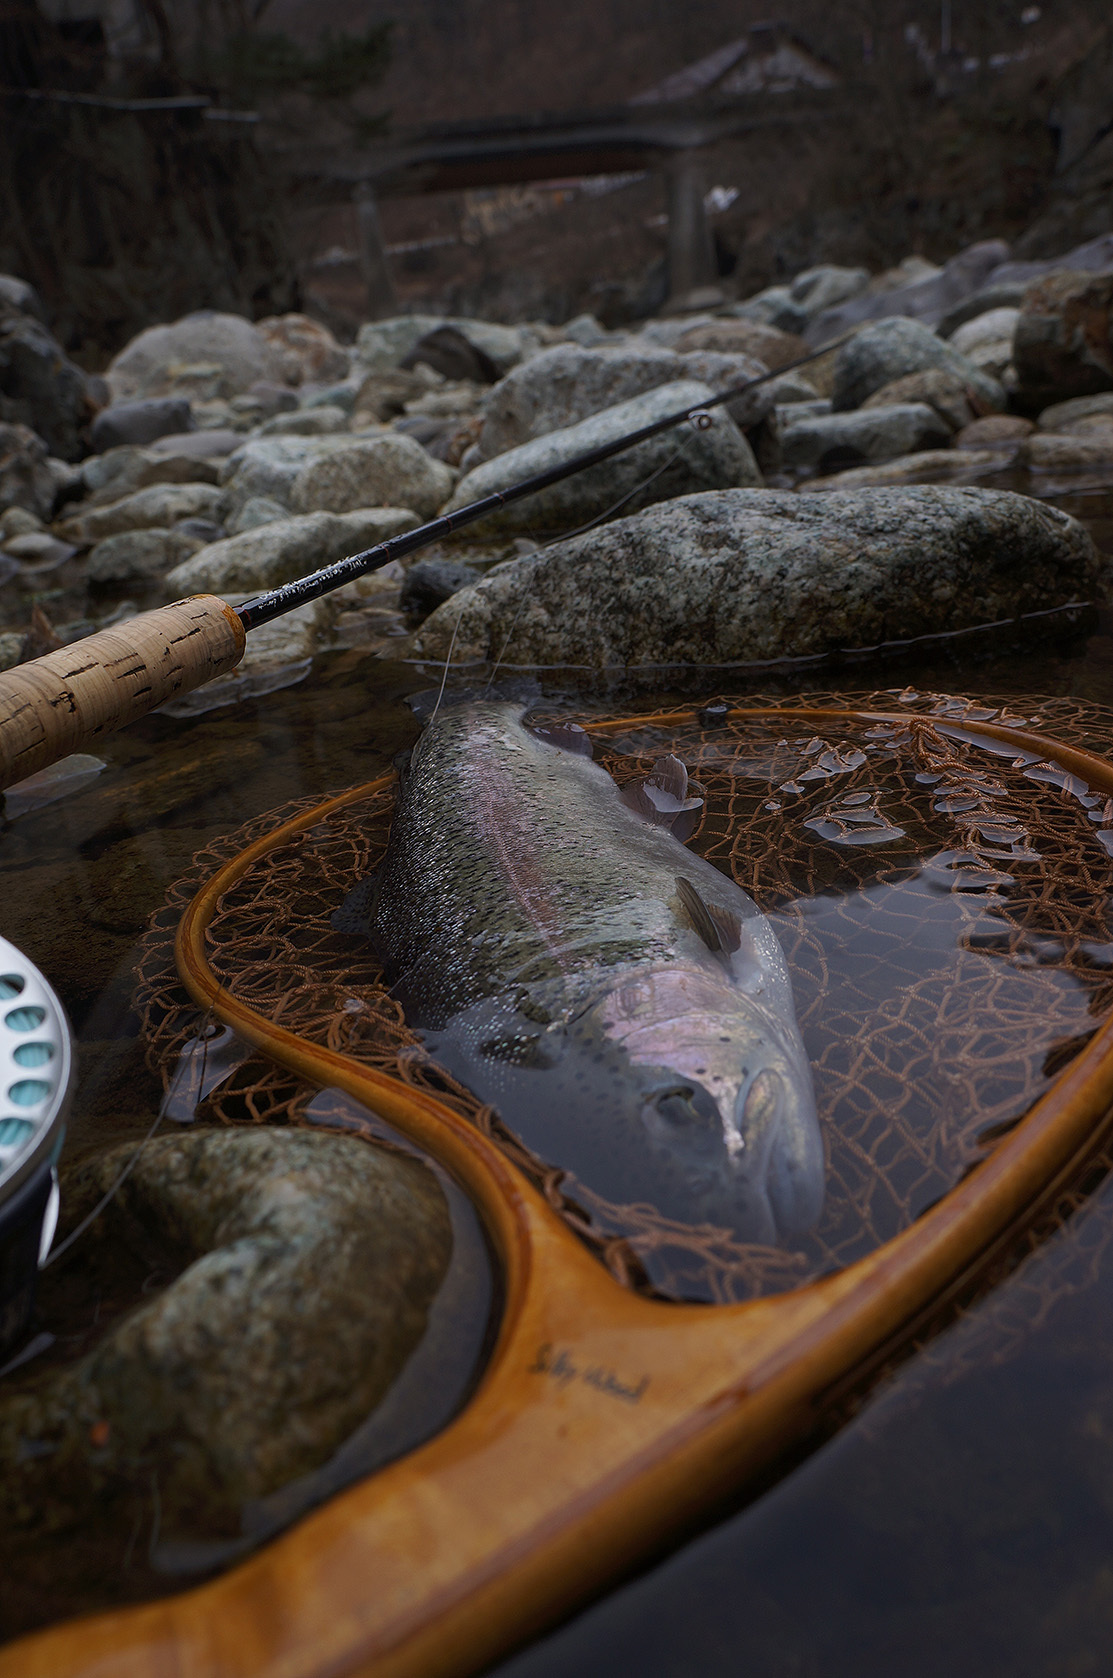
(943, 905)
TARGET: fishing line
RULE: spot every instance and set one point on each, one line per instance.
(567, 536)
(91, 1218)
(447, 663)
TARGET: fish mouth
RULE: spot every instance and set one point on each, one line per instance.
(728, 1100)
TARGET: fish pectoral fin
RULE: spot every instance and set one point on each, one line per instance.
(664, 798)
(355, 913)
(720, 929)
(566, 737)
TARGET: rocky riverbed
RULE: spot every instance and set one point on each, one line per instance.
(218, 454)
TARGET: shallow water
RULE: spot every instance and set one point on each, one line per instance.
(973, 1490)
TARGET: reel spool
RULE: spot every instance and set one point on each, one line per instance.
(36, 1075)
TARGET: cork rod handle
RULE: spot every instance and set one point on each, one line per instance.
(65, 701)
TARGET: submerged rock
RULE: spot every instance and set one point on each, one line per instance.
(740, 575)
(677, 461)
(311, 1262)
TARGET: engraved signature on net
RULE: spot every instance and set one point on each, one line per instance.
(560, 1366)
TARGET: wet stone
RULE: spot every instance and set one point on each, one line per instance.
(307, 1263)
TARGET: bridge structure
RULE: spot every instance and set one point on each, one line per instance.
(667, 135)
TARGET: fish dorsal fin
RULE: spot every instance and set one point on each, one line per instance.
(663, 798)
(566, 736)
(720, 929)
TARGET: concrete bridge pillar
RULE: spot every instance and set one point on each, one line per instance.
(691, 250)
(381, 299)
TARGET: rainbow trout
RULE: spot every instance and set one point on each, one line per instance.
(624, 1006)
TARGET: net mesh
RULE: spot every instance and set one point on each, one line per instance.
(943, 908)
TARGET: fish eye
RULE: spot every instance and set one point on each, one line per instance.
(683, 1106)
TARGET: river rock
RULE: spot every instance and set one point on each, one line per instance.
(311, 1262)
(566, 384)
(309, 352)
(385, 471)
(156, 507)
(232, 351)
(744, 337)
(1004, 431)
(817, 289)
(744, 574)
(385, 344)
(259, 510)
(773, 307)
(322, 421)
(139, 556)
(829, 442)
(987, 340)
(927, 466)
(1061, 415)
(120, 472)
(927, 299)
(40, 387)
(1063, 342)
(383, 396)
(20, 294)
(140, 422)
(892, 348)
(984, 302)
(940, 387)
(208, 444)
(283, 549)
(674, 463)
(27, 476)
(1045, 451)
(430, 582)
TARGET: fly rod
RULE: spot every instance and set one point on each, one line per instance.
(64, 701)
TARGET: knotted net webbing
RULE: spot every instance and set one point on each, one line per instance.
(943, 908)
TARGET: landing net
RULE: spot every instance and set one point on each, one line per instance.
(943, 907)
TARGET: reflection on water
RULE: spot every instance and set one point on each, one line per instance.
(982, 1505)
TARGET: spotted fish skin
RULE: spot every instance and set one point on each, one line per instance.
(554, 950)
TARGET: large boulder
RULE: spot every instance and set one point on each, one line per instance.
(892, 348)
(40, 387)
(830, 442)
(385, 471)
(675, 462)
(566, 384)
(1063, 341)
(239, 352)
(283, 549)
(741, 575)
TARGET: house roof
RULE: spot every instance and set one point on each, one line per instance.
(770, 59)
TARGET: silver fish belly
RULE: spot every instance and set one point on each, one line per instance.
(623, 1005)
